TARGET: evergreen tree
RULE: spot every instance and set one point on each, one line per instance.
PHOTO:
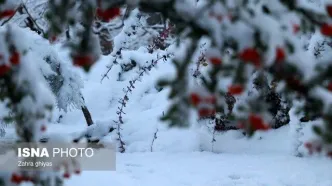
(67, 85)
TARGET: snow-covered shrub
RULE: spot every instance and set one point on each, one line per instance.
(244, 37)
(271, 48)
(27, 96)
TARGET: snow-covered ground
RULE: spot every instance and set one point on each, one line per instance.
(210, 169)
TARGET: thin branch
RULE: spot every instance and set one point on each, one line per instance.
(7, 20)
(154, 138)
(108, 70)
(124, 100)
(32, 19)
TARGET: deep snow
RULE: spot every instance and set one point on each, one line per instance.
(183, 157)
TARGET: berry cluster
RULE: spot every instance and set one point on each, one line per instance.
(326, 28)
(205, 104)
(108, 14)
(18, 179)
(14, 60)
(252, 55)
(255, 122)
(7, 13)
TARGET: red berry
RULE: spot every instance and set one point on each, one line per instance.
(326, 30)
(195, 99)
(43, 128)
(100, 12)
(280, 54)
(66, 175)
(329, 10)
(257, 122)
(215, 61)
(4, 69)
(251, 55)
(205, 112)
(107, 15)
(17, 179)
(296, 28)
(255, 119)
(84, 60)
(7, 13)
(235, 89)
(52, 39)
(112, 13)
(329, 86)
(77, 171)
(308, 145)
(15, 58)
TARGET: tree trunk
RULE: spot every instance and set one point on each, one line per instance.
(87, 115)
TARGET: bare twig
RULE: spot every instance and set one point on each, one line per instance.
(109, 68)
(32, 19)
(213, 140)
(7, 20)
(201, 60)
(123, 101)
(154, 138)
(118, 55)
